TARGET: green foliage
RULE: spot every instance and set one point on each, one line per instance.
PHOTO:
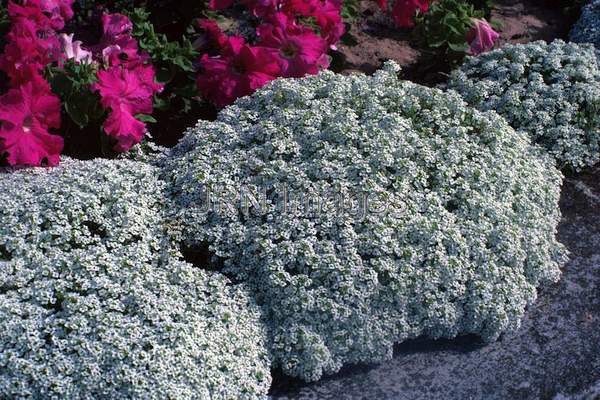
(484, 5)
(4, 20)
(446, 24)
(71, 83)
(173, 62)
(176, 55)
(350, 9)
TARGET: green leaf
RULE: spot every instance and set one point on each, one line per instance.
(164, 75)
(145, 118)
(79, 116)
(161, 104)
(459, 47)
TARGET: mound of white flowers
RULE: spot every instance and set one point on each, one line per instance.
(549, 91)
(362, 211)
(96, 304)
(587, 28)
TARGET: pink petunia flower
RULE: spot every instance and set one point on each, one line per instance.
(115, 25)
(300, 50)
(239, 71)
(72, 49)
(126, 54)
(62, 9)
(219, 4)
(262, 8)
(31, 73)
(26, 114)
(117, 46)
(325, 12)
(404, 11)
(126, 92)
(215, 35)
(481, 37)
(25, 47)
(259, 8)
(383, 4)
(31, 11)
(58, 11)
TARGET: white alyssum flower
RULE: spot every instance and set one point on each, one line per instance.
(95, 302)
(462, 235)
(587, 28)
(550, 91)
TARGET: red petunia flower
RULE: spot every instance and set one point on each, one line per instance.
(301, 51)
(126, 92)
(26, 114)
(481, 37)
(239, 71)
(404, 11)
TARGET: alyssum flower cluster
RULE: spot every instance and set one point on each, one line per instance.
(549, 91)
(454, 252)
(97, 300)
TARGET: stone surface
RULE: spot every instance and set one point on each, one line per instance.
(555, 355)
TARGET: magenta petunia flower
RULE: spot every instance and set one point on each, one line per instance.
(26, 46)
(26, 114)
(31, 11)
(262, 8)
(59, 11)
(126, 93)
(215, 35)
(239, 71)
(115, 25)
(481, 37)
(325, 12)
(300, 50)
(219, 4)
(117, 46)
(404, 11)
(64, 8)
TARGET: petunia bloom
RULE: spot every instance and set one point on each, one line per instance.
(404, 11)
(219, 4)
(72, 49)
(239, 71)
(126, 93)
(481, 37)
(261, 8)
(115, 25)
(26, 114)
(300, 50)
(215, 35)
(58, 10)
(26, 47)
(117, 46)
(31, 11)
(327, 15)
